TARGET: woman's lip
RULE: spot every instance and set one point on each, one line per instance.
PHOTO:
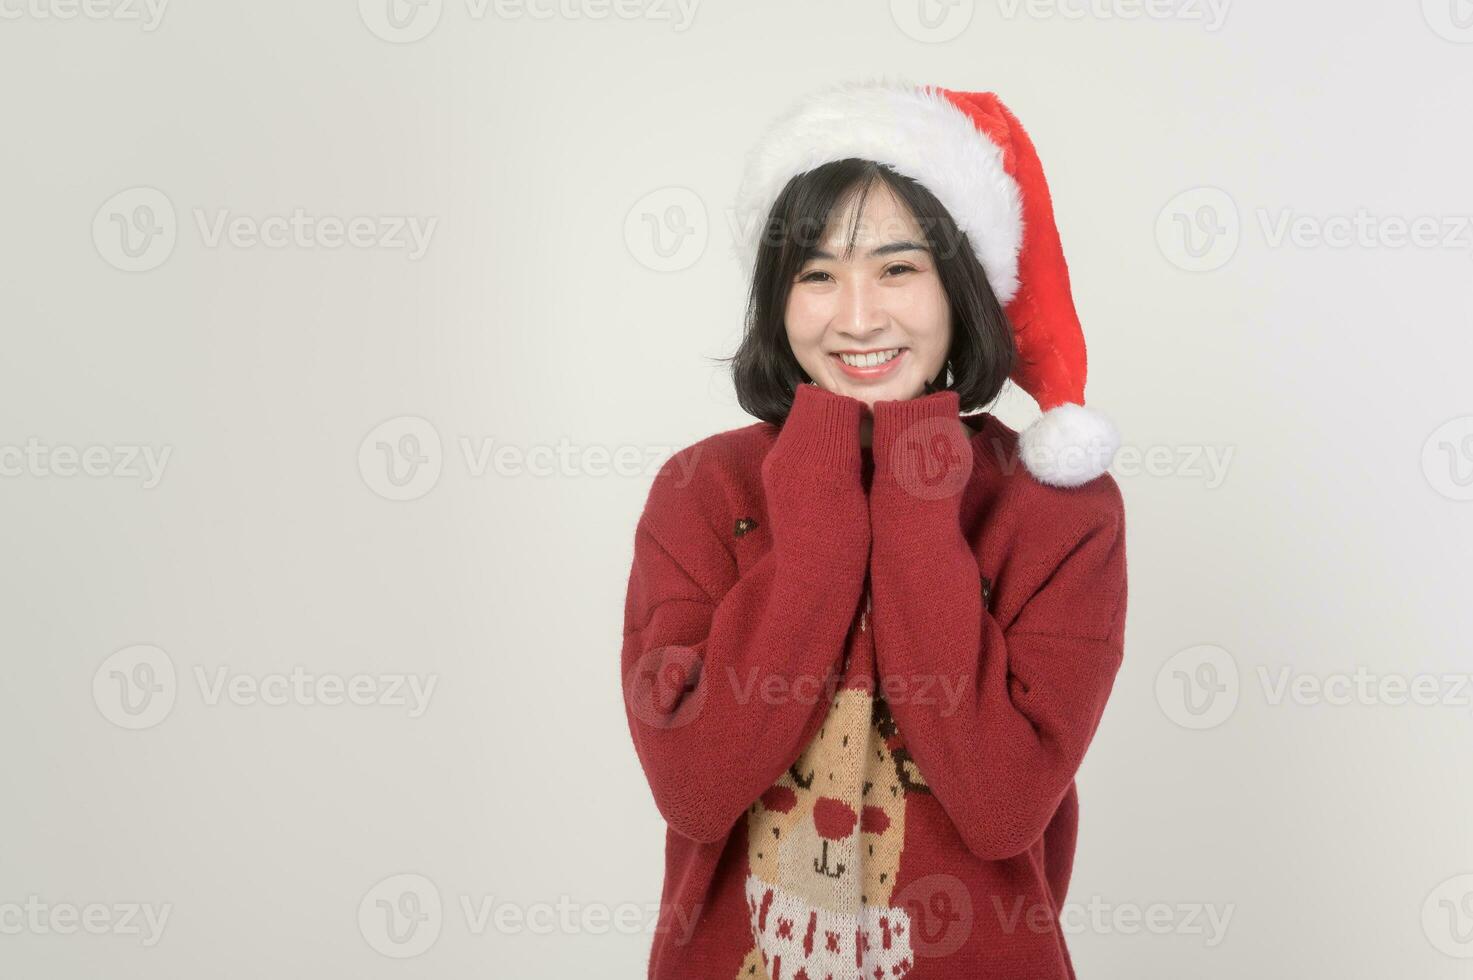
(870, 373)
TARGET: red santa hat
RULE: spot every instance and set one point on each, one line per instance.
(970, 151)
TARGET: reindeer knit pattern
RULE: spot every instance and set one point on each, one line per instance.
(860, 682)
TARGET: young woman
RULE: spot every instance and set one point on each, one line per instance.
(869, 638)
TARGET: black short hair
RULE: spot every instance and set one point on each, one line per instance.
(764, 370)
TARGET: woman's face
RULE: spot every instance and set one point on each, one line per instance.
(874, 325)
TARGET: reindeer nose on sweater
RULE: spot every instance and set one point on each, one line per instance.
(834, 819)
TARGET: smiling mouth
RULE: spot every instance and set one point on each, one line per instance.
(868, 364)
(867, 359)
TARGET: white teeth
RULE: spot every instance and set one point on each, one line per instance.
(872, 359)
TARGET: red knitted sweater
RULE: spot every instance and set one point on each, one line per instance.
(860, 683)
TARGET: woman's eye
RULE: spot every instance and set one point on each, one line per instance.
(818, 275)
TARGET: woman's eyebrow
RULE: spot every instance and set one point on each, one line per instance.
(889, 248)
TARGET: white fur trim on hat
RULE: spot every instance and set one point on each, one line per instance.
(919, 133)
(1068, 445)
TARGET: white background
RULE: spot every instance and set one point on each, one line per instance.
(1328, 377)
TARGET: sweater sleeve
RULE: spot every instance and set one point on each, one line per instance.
(725, 673)
(1010, 713)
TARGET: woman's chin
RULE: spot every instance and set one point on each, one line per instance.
(887, 389)
(891, 389)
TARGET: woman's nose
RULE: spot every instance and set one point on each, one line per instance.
(861, 313)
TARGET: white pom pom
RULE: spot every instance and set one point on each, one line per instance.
(1068, 445)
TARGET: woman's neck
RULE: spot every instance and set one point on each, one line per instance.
(971, 425)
